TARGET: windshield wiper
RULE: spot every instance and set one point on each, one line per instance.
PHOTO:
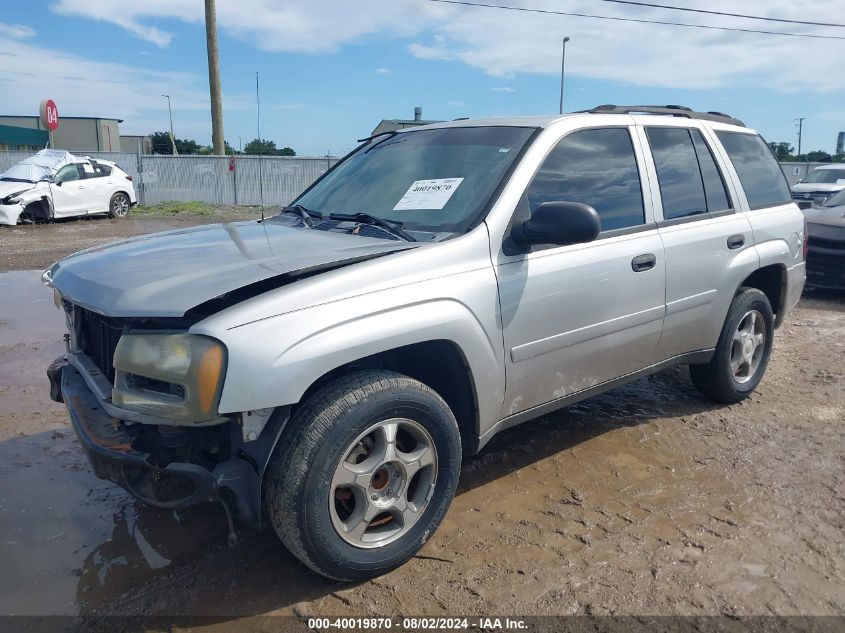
(390, 226)
(306, 215)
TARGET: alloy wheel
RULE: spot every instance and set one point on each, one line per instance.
(748, 346)
(383, 483)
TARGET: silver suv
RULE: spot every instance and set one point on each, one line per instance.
(326, 369)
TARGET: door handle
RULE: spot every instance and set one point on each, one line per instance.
(736, 241)
(642, 263)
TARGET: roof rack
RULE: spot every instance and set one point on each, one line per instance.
(672, 110)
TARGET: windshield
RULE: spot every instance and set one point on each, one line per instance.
(836, 201)
(825, 176)
(430, 180)
(24, 173)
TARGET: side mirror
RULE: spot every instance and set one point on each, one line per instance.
(559, 223)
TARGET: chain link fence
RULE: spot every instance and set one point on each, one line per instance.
(244, 180)
(239, 180)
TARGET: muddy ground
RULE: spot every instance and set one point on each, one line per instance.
(646, 500)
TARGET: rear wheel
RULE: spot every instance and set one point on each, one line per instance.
(363, 474)
(119, 205)
(742, 352)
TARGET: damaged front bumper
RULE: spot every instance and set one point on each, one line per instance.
(114, 455)
(9, 213)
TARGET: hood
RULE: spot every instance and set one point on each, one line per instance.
(167, 274)
(827, 187)
(8, 188)
(829, 216)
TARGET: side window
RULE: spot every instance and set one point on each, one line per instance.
(99, 170)
(595, 167)
(67, 173)
(678, 174)
(714, 183)
(758, 171)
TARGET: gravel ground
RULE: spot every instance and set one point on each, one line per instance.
(648, 500)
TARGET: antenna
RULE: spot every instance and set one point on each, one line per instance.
(260, 170)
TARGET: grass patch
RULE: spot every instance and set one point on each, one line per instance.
(174, 208)
(169, 209)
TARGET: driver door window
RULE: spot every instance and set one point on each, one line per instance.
(67, 174)
(596, 167)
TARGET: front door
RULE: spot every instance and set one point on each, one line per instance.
(580, 315)
(69, 191)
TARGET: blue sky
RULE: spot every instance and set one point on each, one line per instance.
(330, 70)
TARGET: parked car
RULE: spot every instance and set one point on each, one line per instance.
(328, 368)
(826, 256)
(819, 185)
(56, 184)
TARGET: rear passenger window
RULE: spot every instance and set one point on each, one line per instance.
(596, 167)
(714, 183)
(758, 171)
(678, 174)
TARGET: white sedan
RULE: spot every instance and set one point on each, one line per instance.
(56, 184)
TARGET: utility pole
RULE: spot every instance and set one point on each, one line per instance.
(800, 130)
(172, 135)
(562, 70)
(214, 78)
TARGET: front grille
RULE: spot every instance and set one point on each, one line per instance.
(98, 337)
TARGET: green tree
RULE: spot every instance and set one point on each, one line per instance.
(187, 146)
(819, 156)
(266, 148)
(261, 146)
(783, 151)
(160, 143)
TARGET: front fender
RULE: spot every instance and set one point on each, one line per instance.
(274, 361)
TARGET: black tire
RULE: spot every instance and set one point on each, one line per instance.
(298, 481)
(716, 379)
(119, 205)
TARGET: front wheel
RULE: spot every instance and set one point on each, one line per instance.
(119, 205)
(742, 352)
(363, 474)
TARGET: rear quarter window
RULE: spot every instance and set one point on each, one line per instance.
(761, 177)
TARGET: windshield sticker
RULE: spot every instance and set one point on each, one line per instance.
(428, 194)
(87, 168)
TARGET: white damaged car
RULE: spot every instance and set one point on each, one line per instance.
(56, 184)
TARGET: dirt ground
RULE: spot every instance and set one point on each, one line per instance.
(34, 246)
(648, 500)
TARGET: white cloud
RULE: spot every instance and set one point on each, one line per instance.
(383, 71)
(16, 31)
(456, 104)
(86, 87)
(507, 43)
(294, 25)
(502, 89)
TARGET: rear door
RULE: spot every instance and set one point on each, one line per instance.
(708, 242)
(579, 315)
(98, 186)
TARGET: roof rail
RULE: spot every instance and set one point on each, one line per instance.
(673, 110)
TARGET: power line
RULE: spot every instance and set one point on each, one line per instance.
(638, 20)
(723, 13)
